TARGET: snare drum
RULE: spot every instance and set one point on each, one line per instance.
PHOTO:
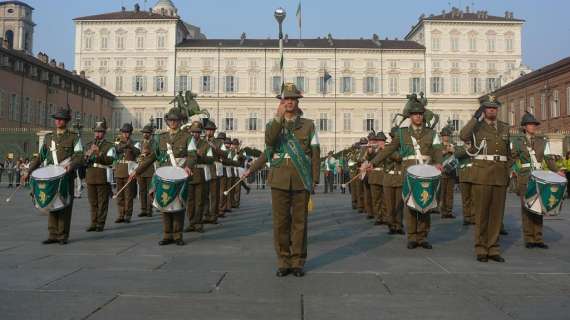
(170, 186)
(545, 192)
(50, 188)
(421, 185)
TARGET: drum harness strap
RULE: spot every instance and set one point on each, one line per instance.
(171, 155)
(53, 150)
(417, 150)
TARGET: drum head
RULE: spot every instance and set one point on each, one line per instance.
(48, 173)
(171, 173)
(424, 170)
(548, 176)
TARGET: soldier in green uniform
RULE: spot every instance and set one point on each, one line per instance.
(464, 171)
(174, 143)
(359, 182)
(99, 159)
(292, 147)
(406, 141)
(239, 159)
(69, 154)
(375, 177)
(211, 207)
(226, 179)
(127, 154)
(197, 162)
(392, 189)
(447, 182)
(531, 150)
(145, 178)
(353, 171)
(490, 140)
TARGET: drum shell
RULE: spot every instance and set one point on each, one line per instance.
(179, 198)
(429, 187)
(41, 189)
(544, 193)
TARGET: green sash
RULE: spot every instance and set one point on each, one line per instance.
(301, 162)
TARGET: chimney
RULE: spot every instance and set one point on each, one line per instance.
(137, 7)
(242, 38)
(123, 9)
(74, 72)
(53, 63)
(82, 74)
(61, 65)
(286, 39)
(150, 9)
(467, 9)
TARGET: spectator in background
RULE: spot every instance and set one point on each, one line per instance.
(10, 168)
(24, 169)
(18, 172)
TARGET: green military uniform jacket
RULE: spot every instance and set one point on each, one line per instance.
(180, 144)
(393, 175)
(126, 151)
(427, 140)
(67, 145)
(493, 172)
(520, 151)
(376, 175)
(96, 172)
(446, 155)
(146, 148)
(283, 175)
(198, 160)
(465, 163)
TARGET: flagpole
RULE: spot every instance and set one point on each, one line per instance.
(299, 20)
(280, 15)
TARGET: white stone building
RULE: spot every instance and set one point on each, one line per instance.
(16, 25)
(145, 57)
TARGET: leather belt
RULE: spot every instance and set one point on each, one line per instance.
(98, 165)
(465, 165)
(276, 156)
(528, 165)
(492, 157)
(378, 169)
(394, 172)
(125, 161)
(425, 158)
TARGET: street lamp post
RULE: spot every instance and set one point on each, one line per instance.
(280, 15)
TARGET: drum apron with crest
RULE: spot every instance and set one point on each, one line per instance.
(420, 188)
(50, 188)
(170, 189)
(545, 192)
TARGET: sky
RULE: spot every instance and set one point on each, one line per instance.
(546, 33)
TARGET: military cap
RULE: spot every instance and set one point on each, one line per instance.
(380, 136)
(491, 102)
(196, 127)
(445, 131)
(235, 141)
(222, 135)
(330, 153)
(62, 114)
(173, 114)
(149, 128)
(416, 107)
(127, 127)
(100, 126)
(209, 124)
(290, 91)
(228, 140)
(363, 141)
(528, 118)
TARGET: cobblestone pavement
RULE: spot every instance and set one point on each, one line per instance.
(355, 270)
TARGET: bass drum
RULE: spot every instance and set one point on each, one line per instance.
(170, 186)
(50, 189)
(421, 186)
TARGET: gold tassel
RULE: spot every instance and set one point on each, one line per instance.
(311, 205)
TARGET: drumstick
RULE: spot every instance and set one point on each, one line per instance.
(353, 178)
(13, 193)
(235, 185)
(122, 189)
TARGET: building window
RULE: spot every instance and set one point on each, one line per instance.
(182, 83)
(140, 41)
(159, 84)
(512, 114)
(119, 83)
(252, 83)
(493, 84)
(119, 63)
(437, 85)
(346, 121)
(510, 66)
(435, 43)
(229, 122)
(104, 42)
(555, 104)
(435, 65)
(161, 63)
(276, 84)
(416, 85)
(491, 44)
(206, 84)
(370, 85)
(473, 66)
(229, 85)
(531, 108)
(455, 65)
(346, 85)
(417, 65)
(509, 44)
(140, 63)
(300, 83)
(393, 64)
(370, 122)
(103, 81)
(161, 41)
(475, 85)
(455, 85)
(252, 122)
(88, 41)
(393, 85)
(454, 44)
(543, 106)
(138, 118)
(472, 43)
(120, 41)
(139, 84)
(323, 85)
(324, 122)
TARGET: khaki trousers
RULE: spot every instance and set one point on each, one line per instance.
(467, 202)
(59, 222)
(125, 198)
(446, 195)
(146, 200)
(195, 204)
(417, 225)
(290, 211)
(98, 196)
(489, 207)
(394, 205)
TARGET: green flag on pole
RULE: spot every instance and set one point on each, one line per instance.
(299, 15)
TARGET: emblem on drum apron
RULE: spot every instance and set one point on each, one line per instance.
(421, 185)
(545, 192)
